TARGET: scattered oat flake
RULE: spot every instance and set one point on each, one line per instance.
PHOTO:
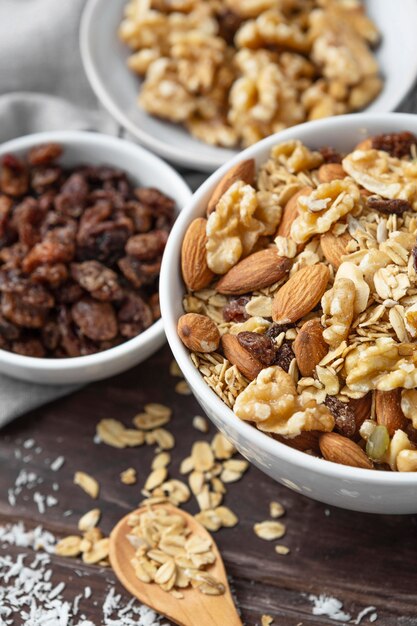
(182, 388)
(269, 530)
(267, 620)
(332, 607)
(89, 520)
(276, 510)
(200, 423)
(156, 478)
(87, 484)
(280, 549)
(128, 477)
(174, 369)
(161, 460)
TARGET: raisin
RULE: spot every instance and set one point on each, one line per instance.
(140, 215)
(48, 252)
(6, 204)
(134, 315)
(384, 205)
(8, 330)
(44, 177)
(139, 273)
(20, 314)
(72, 242)
(14, 177)
(100, 281)
(276, 329)
(330, 155)
(155, 307)
(27, 216)
(52, 275)
(343, 414)
(28, 347)
(234, 310)
(414, 253)
(397, 144)
(260, 346)
(44, 154)
(284, 356)
(147, 246)
(96, 320)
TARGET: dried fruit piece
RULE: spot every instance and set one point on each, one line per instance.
(342, 450)
(259, 270)
(300, 294)
(390, 207)
(244, 171)
(344, 416)
(309, 347)
(195, 271)
(388, 410)
(261, 347)
(198, 332)
(397, 144)
(239, 356)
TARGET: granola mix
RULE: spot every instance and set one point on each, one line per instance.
(80, 253)
(322, 354)
(235, 71)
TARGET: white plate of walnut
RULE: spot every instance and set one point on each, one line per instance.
(196, 80)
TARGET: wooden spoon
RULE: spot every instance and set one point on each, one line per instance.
(195, 607)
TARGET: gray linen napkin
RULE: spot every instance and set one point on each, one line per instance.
(43, 87)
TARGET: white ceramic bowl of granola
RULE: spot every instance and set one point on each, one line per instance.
(143, 168)
(339, 485)
(117, 88)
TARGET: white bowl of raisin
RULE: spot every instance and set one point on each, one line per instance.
(84, 219)
(289, 299)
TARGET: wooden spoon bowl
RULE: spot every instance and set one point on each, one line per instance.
(195, 607)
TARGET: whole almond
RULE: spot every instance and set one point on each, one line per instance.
(309, 347)
(198, 332)
(300, 294)
(330, 171)
(290, 212)
(388, 410)
(245, 170)
(334, 248)
(307, 440)
(342, 450)
(361, 409)
(257, 271)
(239, 356)
(195, 271)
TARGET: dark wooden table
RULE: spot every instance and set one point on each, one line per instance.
(360, 559)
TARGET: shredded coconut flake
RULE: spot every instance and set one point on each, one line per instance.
(57, 464)
(27, 589)
(332, 607)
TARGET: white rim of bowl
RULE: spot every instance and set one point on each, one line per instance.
(79, 138)
(163, 149)
(152, 143)
(170, 264)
